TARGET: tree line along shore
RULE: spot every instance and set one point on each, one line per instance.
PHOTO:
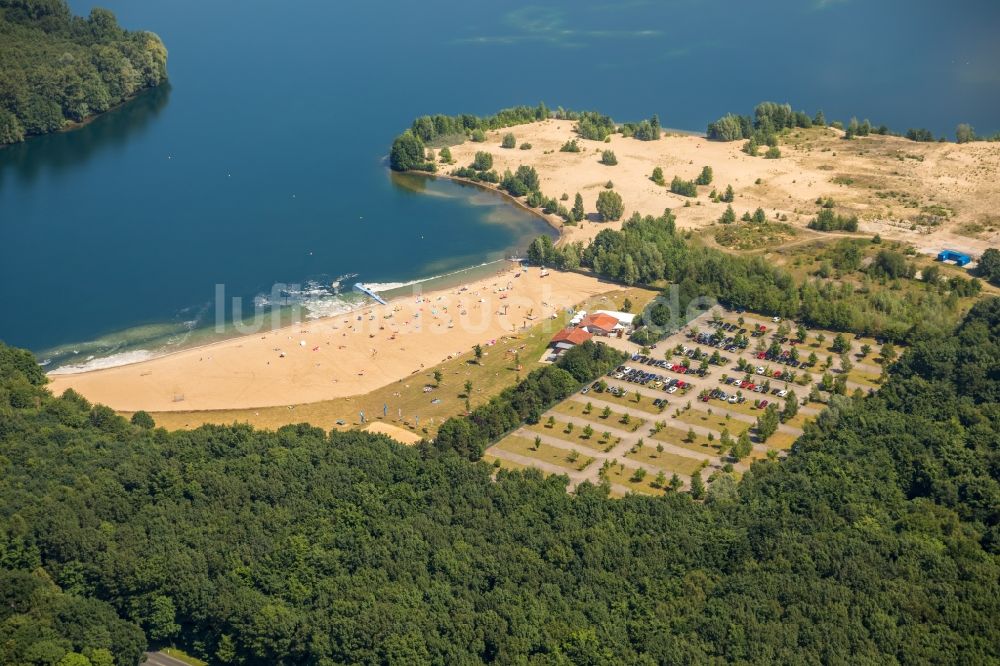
(99, 66)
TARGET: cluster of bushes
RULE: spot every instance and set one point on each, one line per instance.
(920, 135)
(431, 128)
(769, 118)
(854, 128)
(408, 153)
(56, 68)
(988, 266)
(520, 182)
(595, 126)
(964, 133)
(570, 146)
(610, 206)
(729, 216)
(892, 265)
(727, 195)
(526, 401)
(470, 173)
(646, 130)
(524, 182)
(685, 188)
(827, 220)
(608, 158)
(542, 252)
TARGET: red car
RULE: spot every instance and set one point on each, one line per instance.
(763, 404)
(681, 385)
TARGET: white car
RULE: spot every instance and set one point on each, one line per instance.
(760, 369)
(733, 399)
(782, 393)
(775, 319)
(672, 389)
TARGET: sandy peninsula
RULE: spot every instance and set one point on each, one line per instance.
(929, 194)
(338, 356)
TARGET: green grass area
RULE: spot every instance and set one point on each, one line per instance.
(670, 462)
(616, 474)
(180, 655)
(544, 452)
(596, 416)
(753, 235)
(596, 442)
(716, 421)
(673, 434)
(506, 464)
(781, 441)
(799, 420)
(864, 377)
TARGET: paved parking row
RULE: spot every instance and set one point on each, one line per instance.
(687, 397)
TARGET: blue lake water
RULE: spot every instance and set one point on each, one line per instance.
(262, 162)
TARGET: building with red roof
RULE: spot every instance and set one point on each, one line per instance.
(601, 323)
(569, 337)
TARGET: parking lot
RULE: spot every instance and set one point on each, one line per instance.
(703, 385)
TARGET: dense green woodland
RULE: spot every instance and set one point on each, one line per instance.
(649, 250)
(56, 68)
(876, 541)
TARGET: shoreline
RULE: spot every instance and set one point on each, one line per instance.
(553, 221)
(70, 369)
(74, 125)
(341, 355)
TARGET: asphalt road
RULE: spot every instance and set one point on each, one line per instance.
(160, 659)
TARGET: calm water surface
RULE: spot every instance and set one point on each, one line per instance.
(262, 162)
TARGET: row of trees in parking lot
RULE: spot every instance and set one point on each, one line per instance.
(526, 401)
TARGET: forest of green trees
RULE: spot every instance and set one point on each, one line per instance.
(56, 68)
(876, 541)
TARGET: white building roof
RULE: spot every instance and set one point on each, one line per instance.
(622, 317)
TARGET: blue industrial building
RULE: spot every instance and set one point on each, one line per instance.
(959, 258)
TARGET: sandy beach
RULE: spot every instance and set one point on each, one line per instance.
(890, 183)
(338, 356)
